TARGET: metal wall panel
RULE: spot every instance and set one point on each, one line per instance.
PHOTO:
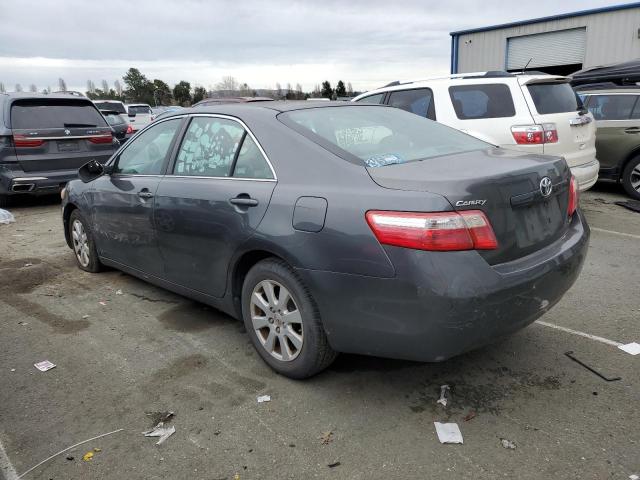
(562, 47)
(611, 37)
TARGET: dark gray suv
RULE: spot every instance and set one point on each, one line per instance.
(44, 139)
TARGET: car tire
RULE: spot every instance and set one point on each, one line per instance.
(4, 201)
(83, 246)
(288, 336)
(631, 177)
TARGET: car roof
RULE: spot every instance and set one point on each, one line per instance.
(137, 105)
(608, 91)
(37, 96)
(107, 101)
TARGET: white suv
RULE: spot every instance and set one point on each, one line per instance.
(140, 115)
(535, 113)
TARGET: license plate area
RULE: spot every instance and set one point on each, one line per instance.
(68, 146)
(538, 222)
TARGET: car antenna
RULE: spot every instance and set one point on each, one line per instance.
(525, 67)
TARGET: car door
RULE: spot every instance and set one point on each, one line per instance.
(211, 201)
(122, 202)
(618, 122)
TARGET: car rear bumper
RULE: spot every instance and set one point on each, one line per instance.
(42, 183)
(587, 174)
(441, 304)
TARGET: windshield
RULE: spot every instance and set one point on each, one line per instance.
(554, 98)
(379, 136)
(137, 109)
(115, 106)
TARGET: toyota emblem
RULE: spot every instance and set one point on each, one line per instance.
(67, 132)
(546, 187)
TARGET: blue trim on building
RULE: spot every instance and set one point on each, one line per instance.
(455, 36)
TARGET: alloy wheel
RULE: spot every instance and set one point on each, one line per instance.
(635, 178)
(80, 243)
(277, 320)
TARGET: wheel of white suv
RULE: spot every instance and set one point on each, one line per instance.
(631, 178)
(82, 243)
(283, 321)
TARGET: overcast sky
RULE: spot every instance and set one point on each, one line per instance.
(366, 42)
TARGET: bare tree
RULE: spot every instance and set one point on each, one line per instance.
(2, 89)
(278, 91)
(228, 85)
(105, 86)
(91, 87)
(18, 87)
(299, 94)
(118, 87)
(349, 90)
(33, 88)
(62, 85)
(289, 89)
(45, 90)
(245, 90)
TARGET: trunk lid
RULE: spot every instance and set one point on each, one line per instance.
(505, 185)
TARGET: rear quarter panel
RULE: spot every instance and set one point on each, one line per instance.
(613, 144)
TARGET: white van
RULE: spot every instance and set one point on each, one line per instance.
(535, 113)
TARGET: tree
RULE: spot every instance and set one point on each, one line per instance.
(117, 87)
(105, 86)
(349, 90)
(139, 88)
(199, 93)
(278, 91)
(228, 86)
(2, 89)
(161, 92)
(327, 91)
(91, 87)
(62, 85)
(299, 94)
(182, 92)
(340, 90)
(245, 91)
(18, 87)
(33, 88)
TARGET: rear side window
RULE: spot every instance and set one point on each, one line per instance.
(53, 113)
(377, 98)
(418, 101)
(613, 107)
(250, 162)
(113, 119)
(115, 106)
(139, 109)
(482, 101)
(554, 98)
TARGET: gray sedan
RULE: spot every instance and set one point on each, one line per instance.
(334, 228)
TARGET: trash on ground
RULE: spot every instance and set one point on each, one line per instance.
(444, 391)
(6, 217)
(470, 416)
(634, 477)
(13, 369)
(326, 438)
(632, 348)
(118, 292)
(591, 369)
(264, 398)
(67, 449)
(104, 304)
(633, 205)
(334, 464)
(85, 316)
(44, 365)
(448, 432)
(70, 457)
(97, 449)
(160, 431)
(157, 417)
(28, 264)
(508, 444)
(87, 456)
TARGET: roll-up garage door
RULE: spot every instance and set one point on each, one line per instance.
(562, 47)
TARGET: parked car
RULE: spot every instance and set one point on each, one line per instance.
(164, 112)
(140, 115)
(44, 139)
(335, 227)
(121, 128)
(535, 113)
(209, 102)
(617, 115)
(111, 105)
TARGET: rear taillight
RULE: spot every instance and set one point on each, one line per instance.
(441, 231)
(105, 138)
(129, 129)
(22, 141)
(535, 134)
(574, 194)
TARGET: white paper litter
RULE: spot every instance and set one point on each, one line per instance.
(632, 348)
(264, 398)
(448, 432)
(444, 390)
(634, 477)
(160, 431)
(118, 292)
(508, 444)
(44, 365)
(6, 217)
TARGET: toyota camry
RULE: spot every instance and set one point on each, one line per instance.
(334, 227)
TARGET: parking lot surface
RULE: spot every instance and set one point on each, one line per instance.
(124, 348)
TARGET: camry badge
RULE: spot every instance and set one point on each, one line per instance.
(546, 187)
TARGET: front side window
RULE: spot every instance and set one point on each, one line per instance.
(612, 107)
(146, 154)
(209, 147)
(377, 98)
(378, 136)
(418, 101)
(473, 102)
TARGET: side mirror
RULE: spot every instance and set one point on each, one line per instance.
(90, 171)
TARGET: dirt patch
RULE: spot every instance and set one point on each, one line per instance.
(192, 317)
(181, 367)
(58, 323)
(24, 275)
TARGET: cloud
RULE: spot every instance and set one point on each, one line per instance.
(366, 42)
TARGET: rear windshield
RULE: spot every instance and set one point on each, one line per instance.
(554, 98)
(51, 113)
(113, 119)
(489, 100)
(139, 109)
(378, 136)
(116, 107)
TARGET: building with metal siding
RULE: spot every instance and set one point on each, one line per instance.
(560, 44)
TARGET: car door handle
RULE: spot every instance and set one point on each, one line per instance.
(632, 130)
(145, 194)
(243, 201)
